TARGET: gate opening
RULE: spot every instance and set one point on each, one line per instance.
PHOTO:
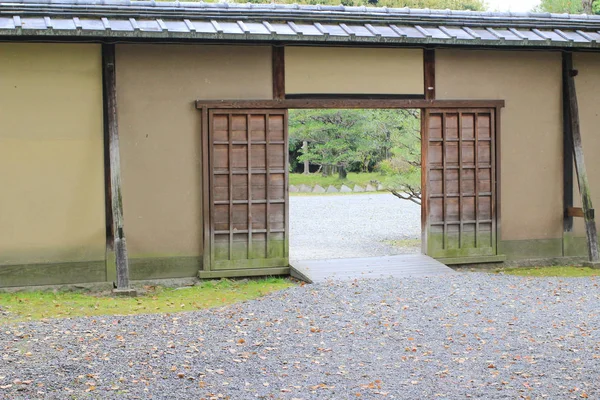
(354, 183)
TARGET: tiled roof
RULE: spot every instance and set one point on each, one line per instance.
(124, 19)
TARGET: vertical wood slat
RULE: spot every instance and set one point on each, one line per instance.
(286, 188)
(116, 209)
(444, 186)
(425, 207)
(476, 178)
(249, 148)
(267, 183)
(567, 65)
(212, 189)
(492, 175)
(278, 66)
(460, 191)
(584, 189)
(429, 73)
(230, 168)
(206, 202)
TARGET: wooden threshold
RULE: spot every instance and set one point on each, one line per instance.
(347, 103)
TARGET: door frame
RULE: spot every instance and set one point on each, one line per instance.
(380, 102)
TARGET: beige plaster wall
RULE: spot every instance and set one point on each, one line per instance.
(531, 135)
(353, 70)
(51, 153)
(161, 154)
(588, 95)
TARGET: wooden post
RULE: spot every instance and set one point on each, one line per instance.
(429, 73)
(114, 169)
(567, 62)
(586, 199)
(278, 58)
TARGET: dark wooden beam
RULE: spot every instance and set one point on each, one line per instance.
(429, 73)
(113, 190)
(349, 103)
(278, 72)
(352, 96)
(584, 189)
(567, 64)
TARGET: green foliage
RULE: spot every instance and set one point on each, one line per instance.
(569, 6)
(474, 5)
(390, 140)
(337, 137)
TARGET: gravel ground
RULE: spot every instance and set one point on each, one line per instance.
(351, 226)
(467, 335)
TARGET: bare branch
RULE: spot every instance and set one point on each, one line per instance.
(410, 197)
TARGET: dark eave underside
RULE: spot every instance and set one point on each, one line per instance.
(291, 23)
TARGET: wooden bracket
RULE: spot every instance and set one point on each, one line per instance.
(578, 212)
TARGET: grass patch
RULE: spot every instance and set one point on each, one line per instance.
(562, 271)
(26, 306)
(353, 178)
(403, 243)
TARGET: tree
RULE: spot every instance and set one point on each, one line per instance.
(570, 6)
(402, 169)
(474, 5)
(389, 140)
(338, 138)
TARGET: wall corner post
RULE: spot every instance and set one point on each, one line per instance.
(116, 234)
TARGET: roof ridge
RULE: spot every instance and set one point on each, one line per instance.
(317, 9)
(296, 12)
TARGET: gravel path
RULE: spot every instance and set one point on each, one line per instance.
(468, 335)
(351, 226)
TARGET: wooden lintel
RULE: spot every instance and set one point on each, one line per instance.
(278, 57)
(114, 168)
(584, 189)
(429, 73)
(348, 103)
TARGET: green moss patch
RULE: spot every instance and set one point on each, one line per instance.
(560, 271)
(26, 306)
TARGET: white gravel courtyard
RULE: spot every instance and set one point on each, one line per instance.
(349, 226)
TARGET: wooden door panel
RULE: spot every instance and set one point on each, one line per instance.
(248, 189)
(460, 182)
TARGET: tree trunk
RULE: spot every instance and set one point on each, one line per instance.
(327, 170)
(306, 163)
(342, 172)
(587, 6)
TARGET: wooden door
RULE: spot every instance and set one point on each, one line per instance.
(248, 189)
(460, 182)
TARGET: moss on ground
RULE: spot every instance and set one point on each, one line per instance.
(26, 306)
(353, 178)
(560, 271)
